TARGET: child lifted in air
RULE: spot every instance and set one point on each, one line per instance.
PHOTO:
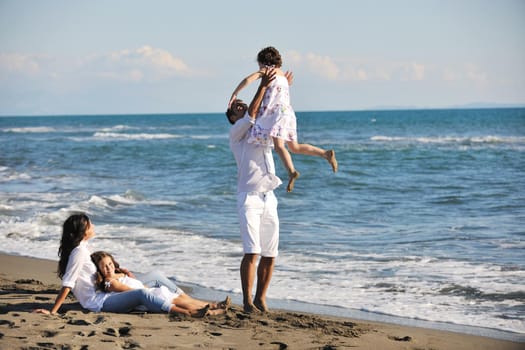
(276, 122)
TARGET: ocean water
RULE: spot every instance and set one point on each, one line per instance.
(425, 219)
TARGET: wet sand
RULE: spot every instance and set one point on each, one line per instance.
(28, 283)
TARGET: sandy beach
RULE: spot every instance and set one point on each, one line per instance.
(28, 283)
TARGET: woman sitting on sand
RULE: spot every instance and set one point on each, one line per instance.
(110, 278)
(77, 272)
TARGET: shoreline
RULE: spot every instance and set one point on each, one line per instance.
(27, 283)
(361, 315)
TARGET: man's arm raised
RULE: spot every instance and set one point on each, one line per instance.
(268, 75)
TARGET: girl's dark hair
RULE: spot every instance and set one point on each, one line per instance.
(96, 257)
(269, 56)
(73, 232)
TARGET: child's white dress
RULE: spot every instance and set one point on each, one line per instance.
(276, 117)
(162, 291)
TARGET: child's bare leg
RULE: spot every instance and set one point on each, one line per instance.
(185, 301)
(287, 162)
(310, 150)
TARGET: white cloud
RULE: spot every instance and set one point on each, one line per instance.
(323, 66)
(449, 75)
(410, 71)
(345, 69)
(151, 58)
(467, 72)
(18, 63)
(351, 73)
(294, 58)
(418, 71)
(142, 64)
(474, 73)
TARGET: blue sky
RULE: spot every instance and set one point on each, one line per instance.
(129, 56)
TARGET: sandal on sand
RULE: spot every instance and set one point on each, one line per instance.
(291, 180)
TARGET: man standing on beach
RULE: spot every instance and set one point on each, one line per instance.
(256, 202)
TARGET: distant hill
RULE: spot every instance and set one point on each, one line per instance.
(474, 105)
(488, 105)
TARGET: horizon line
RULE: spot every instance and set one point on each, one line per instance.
(375, 109)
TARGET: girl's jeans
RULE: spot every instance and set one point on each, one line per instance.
(126, 301)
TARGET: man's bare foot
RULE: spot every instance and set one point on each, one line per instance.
(291, 180)
(261, 306)
(251, 309)
(331, 159)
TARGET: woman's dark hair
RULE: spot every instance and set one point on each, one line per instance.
(96, 257)
(269, 56)
(73, 232)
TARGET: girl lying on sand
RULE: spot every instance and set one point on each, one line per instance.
(111, 279)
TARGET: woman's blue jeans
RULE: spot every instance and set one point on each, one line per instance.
(126, 301)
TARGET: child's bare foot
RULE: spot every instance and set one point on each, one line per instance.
(224, 305)
(331, 159)
(202, 312)
(291, 180)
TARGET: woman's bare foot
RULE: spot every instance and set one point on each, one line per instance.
(330, 157)
(291, 180)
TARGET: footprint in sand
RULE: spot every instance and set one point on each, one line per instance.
(121, 332)
(28, 281)
(110, 331)
(99, 319)
(124, 331)
(131, 345)
(405, 338)
(78, 323)
(6, 322)
(49, 334)
(281, 346)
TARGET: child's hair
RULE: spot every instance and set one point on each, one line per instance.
(269, 56)
(96, 257)
(73, 232)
